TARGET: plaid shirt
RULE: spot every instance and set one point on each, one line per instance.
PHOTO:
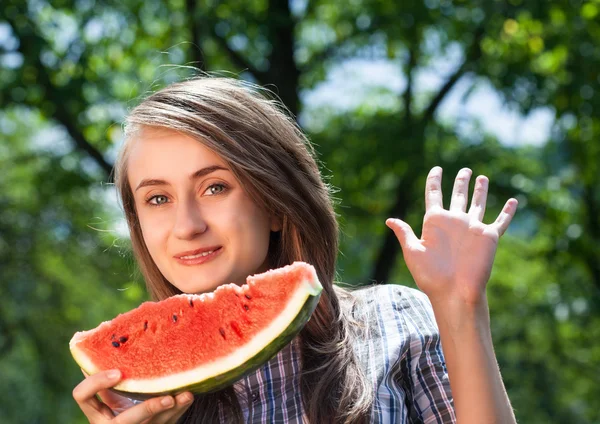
(401, 355)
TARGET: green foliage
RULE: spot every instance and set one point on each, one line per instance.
(69, 71)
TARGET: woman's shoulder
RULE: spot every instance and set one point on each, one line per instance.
(396, 296)
(391, 305)
(395, 289)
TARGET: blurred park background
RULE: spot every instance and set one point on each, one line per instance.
(385, 89)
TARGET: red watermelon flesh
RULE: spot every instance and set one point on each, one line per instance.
(201, 342)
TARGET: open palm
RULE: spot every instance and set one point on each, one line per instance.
(454, 256)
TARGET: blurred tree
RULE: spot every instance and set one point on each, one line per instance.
(70, 70)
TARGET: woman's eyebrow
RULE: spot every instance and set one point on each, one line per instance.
(205, 171)
(199, 173)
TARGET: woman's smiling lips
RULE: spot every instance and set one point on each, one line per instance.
(198, 256)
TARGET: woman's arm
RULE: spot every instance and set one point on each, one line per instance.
(451, 263)
(477, 387)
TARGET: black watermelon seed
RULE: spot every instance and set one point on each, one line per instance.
(123, 339)
(116, 344)
(248, 296)
(145, 325)
(246, 307)
(174, 317)
(222, 331)
(191, 303)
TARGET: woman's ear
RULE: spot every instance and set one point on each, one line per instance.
(276, 224)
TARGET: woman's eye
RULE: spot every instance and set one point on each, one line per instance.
(215, 189)
(158, 200)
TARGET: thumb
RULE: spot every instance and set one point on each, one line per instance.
(403, 231)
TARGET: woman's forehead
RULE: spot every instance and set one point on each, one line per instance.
(165, 151)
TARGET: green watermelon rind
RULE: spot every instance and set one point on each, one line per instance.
(226, 379)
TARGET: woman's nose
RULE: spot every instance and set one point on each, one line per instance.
(189, 221)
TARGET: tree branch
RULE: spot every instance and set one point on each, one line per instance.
(238, 60)
(592, 258)
(390, 247)
(77, 136)
(473, 54)
(196, 54)
(415, 131)
(27, 41)
(283, 71)
(326, 53)
(408, 93)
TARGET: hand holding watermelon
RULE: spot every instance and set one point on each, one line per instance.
(121, 410)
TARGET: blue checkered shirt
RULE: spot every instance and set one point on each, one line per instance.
(401, 355)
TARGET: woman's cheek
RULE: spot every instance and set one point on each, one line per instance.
(153, 232)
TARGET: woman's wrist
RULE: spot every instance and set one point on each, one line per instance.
(462, 322)
(475, 303)
(477, 386)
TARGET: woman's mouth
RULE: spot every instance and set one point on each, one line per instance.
(200, 257)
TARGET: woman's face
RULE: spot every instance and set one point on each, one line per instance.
(201, 228)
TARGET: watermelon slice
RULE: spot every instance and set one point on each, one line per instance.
(201, 343)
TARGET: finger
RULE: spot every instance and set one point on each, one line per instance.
(85, 393)
(145, 410)
(460, 192)
(433, 189)
(182, 403)
(99, 402)
(111, 401)
(504, 218)
(479, 201)
(403, 231)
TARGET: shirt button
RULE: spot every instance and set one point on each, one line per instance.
(255, 397)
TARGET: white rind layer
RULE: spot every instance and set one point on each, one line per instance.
(238, 357)
(80, 357)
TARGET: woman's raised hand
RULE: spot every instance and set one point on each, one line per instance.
(159, 410)
(453, 258)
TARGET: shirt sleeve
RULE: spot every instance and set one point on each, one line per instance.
(425, 378)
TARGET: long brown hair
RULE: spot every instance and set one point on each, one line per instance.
(273, 160)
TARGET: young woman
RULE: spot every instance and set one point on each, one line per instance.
(218, 183)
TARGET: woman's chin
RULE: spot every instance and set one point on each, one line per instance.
(206, 283)
(199, 287)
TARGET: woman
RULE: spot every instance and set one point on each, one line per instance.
(218, 183)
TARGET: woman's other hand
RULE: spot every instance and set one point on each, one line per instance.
(453, 258)
(451, 263)
(100, 405)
